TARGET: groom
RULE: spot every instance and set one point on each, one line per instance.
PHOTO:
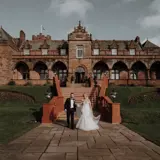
(70, 108)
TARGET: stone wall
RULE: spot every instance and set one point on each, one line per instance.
(5, 64)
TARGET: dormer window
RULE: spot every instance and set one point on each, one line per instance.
(132, 52)
(114, 51)
(63, 52)
(26, 51)
(80, 52)
(95, 52)
(44, 51)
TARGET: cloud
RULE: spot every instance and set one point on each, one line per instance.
(128, 1)
(66, 8)
(152, 20)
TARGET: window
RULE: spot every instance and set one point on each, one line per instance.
(115, 74)
(26, 51)
(97, 74)
(44, 51)
(96, 52)
(114, 51)
(133, 75)
(25, 75)
(132, 51)
(80, 50)
(63, 52)
(43, 74)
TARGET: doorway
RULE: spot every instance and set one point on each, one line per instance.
(79, 75)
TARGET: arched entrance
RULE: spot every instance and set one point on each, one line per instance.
(155, 70)
(22, 70)
(100, 68)
(79, 74)
(41, 69)
(60, 69)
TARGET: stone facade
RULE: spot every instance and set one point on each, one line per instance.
(37, 60)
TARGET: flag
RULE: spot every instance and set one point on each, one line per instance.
(42, 28)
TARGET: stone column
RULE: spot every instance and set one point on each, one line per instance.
(129, 73)
(148, 74)
(110, 74)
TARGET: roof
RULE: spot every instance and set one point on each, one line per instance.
(5, 37)
(148, 44)
(121, 44)
(53, 44)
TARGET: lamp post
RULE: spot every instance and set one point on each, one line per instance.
(113, 95)
(48, 95)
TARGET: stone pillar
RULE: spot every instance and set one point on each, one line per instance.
(110, 74)
(129, 73)
(148, 74)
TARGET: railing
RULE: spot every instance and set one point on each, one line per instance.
(110, 111)
(52, 109)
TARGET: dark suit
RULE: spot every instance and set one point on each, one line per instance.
(70, 111)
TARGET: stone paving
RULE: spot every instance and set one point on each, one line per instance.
(55, 142)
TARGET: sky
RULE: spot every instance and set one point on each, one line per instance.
(104, 19)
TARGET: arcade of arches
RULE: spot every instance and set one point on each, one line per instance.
(119, 71)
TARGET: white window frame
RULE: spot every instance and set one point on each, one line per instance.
(63, 52)
(26, 51)
(133, 75)
(80, 49)
(115, 75)
(114, 51)
(44, 51)
(96, 51)
(132, 52)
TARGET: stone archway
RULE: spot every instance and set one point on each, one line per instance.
(21, 71)
(139, 70)
(155, 70)
(80, 73)
(119, 71)
(60, 69)
(99, 69)
(40, 71)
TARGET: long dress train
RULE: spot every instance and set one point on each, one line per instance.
(87, 121)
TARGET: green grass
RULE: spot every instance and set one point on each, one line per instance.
(144, 117)
(19, 117)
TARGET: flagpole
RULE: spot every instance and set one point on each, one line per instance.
(41, 29)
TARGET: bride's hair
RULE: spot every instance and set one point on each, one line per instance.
(85, 95)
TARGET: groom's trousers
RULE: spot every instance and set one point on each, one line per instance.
(70, 115)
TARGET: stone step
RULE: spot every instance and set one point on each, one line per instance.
(63, 116)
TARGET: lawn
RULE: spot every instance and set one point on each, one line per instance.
(19, 117)
(143, 117)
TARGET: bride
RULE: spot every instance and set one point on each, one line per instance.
(87, 121)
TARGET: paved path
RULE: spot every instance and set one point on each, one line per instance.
(55, 142)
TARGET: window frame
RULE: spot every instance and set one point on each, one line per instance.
(132, 49)
(63, 52)
(28, 51)
(44, 53)
(79, 48)
(115, 49)
(96, 49)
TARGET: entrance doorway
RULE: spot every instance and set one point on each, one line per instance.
(79, 75)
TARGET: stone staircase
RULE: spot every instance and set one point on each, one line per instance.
(78, 91)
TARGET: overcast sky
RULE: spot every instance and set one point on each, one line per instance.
(105, 19)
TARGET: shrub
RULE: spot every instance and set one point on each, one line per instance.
(11, 83)
(28, 84)
(47, 83)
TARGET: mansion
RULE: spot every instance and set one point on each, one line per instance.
(124, 62)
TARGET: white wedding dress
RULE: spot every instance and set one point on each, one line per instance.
(87, 121)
